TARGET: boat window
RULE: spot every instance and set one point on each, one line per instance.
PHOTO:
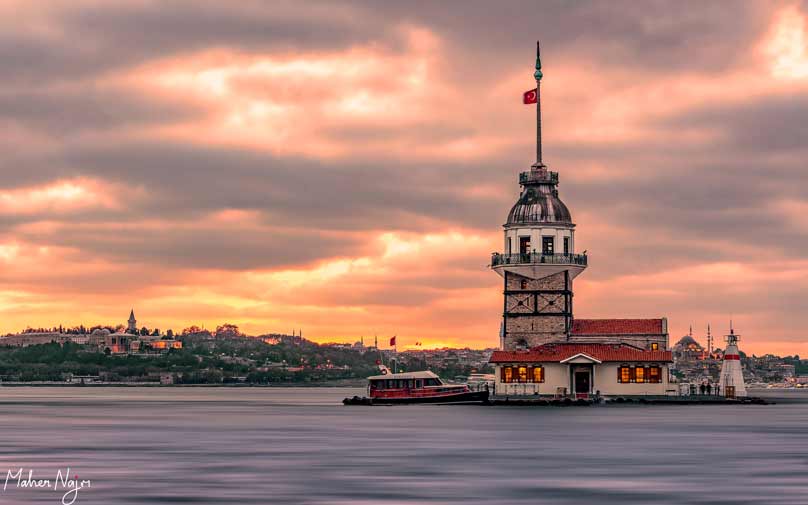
(419, 383)
(522, 373)
(432, 382)
(409, 383)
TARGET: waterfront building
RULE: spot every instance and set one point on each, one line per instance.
(538, 266)
(604, 369)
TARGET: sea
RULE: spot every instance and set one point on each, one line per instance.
(223, 445)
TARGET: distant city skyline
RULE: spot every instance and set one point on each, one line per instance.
(346, 167)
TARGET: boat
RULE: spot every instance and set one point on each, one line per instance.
(415, 387)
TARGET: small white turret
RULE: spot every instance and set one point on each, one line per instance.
(731, 381)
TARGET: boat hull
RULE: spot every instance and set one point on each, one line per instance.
(455, 398)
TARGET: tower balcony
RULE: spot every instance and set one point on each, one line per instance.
(537, 265)
(541, 176)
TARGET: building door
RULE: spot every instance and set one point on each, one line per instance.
(581, 382)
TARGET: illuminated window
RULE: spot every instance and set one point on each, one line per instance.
(624, 374)
(522, 374)
(639, 374)
(655, 346)
(507, 374)
(538, 374)
(654, 375)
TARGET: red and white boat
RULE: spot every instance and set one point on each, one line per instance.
(415, 387)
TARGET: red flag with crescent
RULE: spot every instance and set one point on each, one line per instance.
(531, 96)
(393, 341)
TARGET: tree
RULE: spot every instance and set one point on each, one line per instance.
(170, 333)
(144, 331)
(192, 329)
(227, 330)
(156, 332)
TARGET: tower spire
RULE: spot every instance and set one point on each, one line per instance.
(538, 75)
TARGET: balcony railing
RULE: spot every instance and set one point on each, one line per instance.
(538, 258)
(535, 176)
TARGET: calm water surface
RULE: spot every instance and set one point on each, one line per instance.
(300, 445)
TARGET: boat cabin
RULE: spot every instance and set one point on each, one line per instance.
(409, 384)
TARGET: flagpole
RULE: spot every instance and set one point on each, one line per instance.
(538, 76)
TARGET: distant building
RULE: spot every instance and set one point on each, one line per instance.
(132, 323)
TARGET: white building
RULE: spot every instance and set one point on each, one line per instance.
(581, 370)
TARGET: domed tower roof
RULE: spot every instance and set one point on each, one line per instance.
(539, 202)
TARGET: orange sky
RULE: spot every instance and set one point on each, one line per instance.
(346, 168)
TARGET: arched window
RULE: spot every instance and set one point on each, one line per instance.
(523, 284)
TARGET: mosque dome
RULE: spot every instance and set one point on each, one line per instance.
(539, 202)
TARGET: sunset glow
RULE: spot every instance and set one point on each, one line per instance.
(349, 174)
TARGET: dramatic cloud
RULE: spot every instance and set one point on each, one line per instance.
(345, 167)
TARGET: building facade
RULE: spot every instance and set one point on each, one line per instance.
(582, 370)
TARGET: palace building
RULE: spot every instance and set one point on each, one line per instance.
(544, 348)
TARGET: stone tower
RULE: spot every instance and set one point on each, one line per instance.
(132, 322)
(539, 261)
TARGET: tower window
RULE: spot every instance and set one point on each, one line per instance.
(547, 245)
(566, 245)
(523, 284)
(524, 245)
(508, 251)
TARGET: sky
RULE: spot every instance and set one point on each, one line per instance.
(345, 168)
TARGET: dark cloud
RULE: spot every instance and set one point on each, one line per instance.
(206, 247)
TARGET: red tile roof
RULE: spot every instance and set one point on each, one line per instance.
(560, 352)
(617, 327)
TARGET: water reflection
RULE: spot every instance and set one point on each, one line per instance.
(300, 445)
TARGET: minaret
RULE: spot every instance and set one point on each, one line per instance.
(132, 326)
(731, 379)
(709, 341)
(538, 263)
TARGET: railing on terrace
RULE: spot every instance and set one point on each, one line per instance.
(538, 176)
(533, 258)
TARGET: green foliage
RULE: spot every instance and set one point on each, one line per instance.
(207, 361)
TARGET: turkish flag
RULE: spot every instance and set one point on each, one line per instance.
(530, 96)
(393, 341)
